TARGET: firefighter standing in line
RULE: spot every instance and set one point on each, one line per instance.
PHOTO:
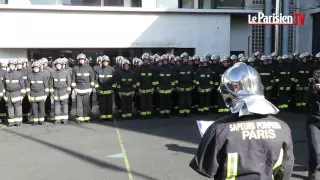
(117, 67)
(252, 62)
(146, 83)
(105, 83)
(266, 75)
(216, 80)
(47, 71)
(234, 147)
(165, 80)
(15, 90)
(70, 66)
(185, 85)
(60, 88)
(284, 79)
(37, 91)
(3, 105)
(26, 106)
(126, 85)
(82, 84)
(220, 103)
(175, 93)
(195, 93)
(303, 70)
(204, 84)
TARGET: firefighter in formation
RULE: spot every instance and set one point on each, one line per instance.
(153, 85)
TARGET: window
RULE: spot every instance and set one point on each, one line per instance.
(257, 40)
(258, 2)
(136, 3)
(291, 38)
(206, 4)
(292, 2)
(41, 2)
(81, 2)
(187, 4)
(3, 1)
(113, 2)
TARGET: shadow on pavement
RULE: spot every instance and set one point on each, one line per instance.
(299, 176)
(300, 168)
(183, 149)
(80, 156)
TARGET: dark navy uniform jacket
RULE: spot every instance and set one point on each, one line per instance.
(253, 147)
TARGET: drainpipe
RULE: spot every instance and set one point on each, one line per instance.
(267, 28)
(285, 30)
(277, 29)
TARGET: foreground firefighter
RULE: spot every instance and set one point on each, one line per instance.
(60, 84)
(37, 91)
(239, 141)
(83, 84)
(15, 91)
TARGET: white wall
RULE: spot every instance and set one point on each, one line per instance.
(7, 54)
(74, 29)
(149, 3)
(239, 33)
(167, 3)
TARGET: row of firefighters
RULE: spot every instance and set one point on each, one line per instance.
(165, 83)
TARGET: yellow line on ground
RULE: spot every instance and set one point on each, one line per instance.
(123, 150)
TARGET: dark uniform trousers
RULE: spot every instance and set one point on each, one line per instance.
(175, 99)
(38, 111)
(70, 103)
(283, 96)
(301, 97)
(61, 108)
(83, 107)
(126, 101)
(13, 100)
(165, 101)
(146, 98)
(106, 104)
(3, 109)
(26, 106)
(222, 108)
(204, 100)
(185, 98)
(313, 134)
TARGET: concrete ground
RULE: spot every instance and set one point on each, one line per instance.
(155, 149)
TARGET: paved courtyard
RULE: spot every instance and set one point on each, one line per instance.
(155, 149)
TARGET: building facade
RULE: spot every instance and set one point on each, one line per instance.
(132, 27)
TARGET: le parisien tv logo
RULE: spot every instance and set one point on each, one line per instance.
(276, 19)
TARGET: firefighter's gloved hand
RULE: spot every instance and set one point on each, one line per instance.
(316, 86)
(90, 91)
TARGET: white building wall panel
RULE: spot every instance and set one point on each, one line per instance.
(167, 3)
(239, 33)
(74, 29)
(304, 34)
(7, 54)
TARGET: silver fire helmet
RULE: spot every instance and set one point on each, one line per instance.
(242, 91)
